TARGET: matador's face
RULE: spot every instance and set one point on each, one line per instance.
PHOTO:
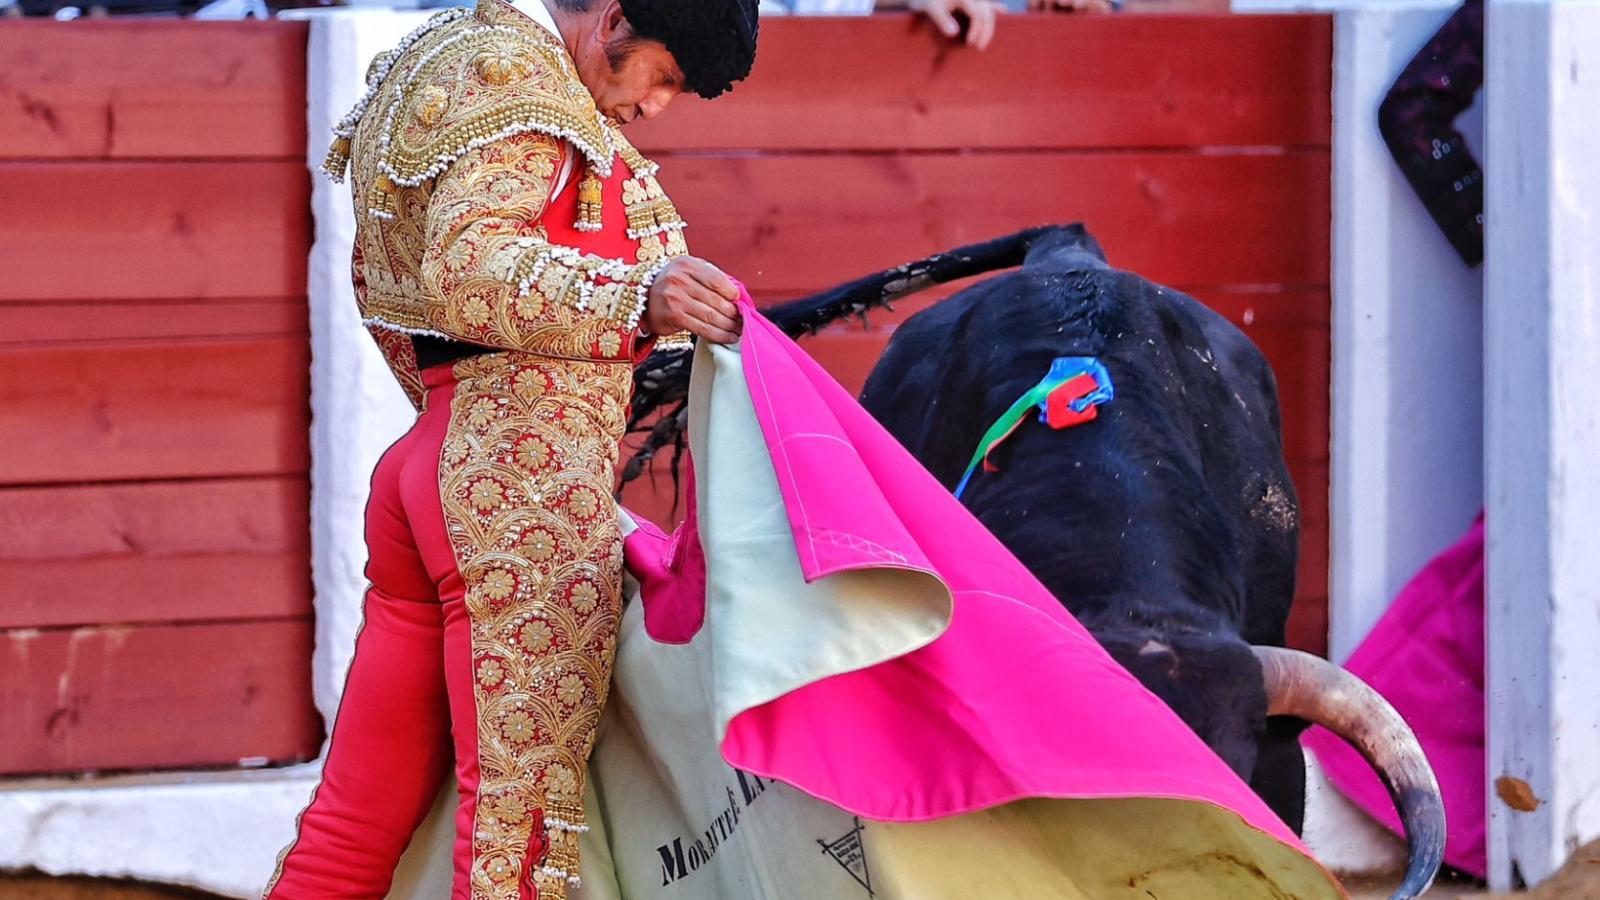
(630, 77)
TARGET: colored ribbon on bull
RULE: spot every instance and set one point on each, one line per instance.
(1068, 395)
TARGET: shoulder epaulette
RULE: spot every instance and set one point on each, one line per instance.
(458, 83)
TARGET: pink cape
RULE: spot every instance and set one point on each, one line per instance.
(1014, 699)
(1425, 656)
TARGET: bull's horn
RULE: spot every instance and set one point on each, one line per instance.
(1311, 688)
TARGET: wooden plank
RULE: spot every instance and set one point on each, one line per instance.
(1291, 328)
(792, 224)
(41, 323)
(152, 89)
(169, 696)
(91, 231)
(1308, 625)
(157, 552)
(1308, 618)
(182, 409)
(888, 83)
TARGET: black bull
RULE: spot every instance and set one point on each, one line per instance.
(1168, 525)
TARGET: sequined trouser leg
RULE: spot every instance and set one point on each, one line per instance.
(489, 632)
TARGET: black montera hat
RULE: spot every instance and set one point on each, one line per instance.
(714, 41)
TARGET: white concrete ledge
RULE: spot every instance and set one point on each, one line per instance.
(215, 831)
(1341, 836)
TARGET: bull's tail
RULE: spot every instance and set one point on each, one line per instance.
(808, 315)
(661, 383)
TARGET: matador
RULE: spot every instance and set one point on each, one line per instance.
(514, 258)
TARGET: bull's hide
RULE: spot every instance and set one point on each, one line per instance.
(969, 791)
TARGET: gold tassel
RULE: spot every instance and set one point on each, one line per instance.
(382, 199)
(562, 855)
(590, 197)
(338, 158)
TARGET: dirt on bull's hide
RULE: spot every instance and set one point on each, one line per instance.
(1579, 879)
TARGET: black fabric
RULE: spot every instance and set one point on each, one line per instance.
(714, 41)
(432, 351)
(1417, 119)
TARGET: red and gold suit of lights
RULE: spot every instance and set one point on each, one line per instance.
(495, 554)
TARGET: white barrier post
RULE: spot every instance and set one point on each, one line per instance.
(1407, 474)
(1542, 434)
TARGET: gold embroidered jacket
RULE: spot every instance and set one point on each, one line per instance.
(454, 152)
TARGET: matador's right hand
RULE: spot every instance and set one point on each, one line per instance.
(690, 294)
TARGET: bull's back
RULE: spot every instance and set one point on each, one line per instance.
(1150, 509)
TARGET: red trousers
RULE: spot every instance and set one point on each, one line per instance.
(489, 629)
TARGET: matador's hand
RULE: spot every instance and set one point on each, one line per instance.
(690, 294)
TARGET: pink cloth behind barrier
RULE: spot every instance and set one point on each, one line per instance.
(1425, 656)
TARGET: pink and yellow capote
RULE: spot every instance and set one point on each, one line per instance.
(838, 679)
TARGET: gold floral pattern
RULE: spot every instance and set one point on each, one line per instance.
(501, 72)
(401, 355)
(432, 102)
(501, 64)
(543, 592)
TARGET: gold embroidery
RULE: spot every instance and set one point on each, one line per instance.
(589, 202)
(502, 65)
(649, 211)
(431, 106)
(539, 549)
(495, 282)
(466, 80)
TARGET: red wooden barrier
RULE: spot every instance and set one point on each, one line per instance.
(1195, 147)
(155, 596)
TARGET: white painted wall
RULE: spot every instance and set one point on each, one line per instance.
(357, 408)
(1542, 363)
(1407, 469)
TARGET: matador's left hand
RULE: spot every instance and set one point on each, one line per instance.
(690, 294)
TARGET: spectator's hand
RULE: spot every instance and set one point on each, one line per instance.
(690, 294)
(980, 16)
(1072, 6)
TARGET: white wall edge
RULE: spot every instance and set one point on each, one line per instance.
(215, 831)
(1406, 473)
(1341, 836)
(1542, 363)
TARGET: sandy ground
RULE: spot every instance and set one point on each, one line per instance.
(43, 887)
(1580, 880)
